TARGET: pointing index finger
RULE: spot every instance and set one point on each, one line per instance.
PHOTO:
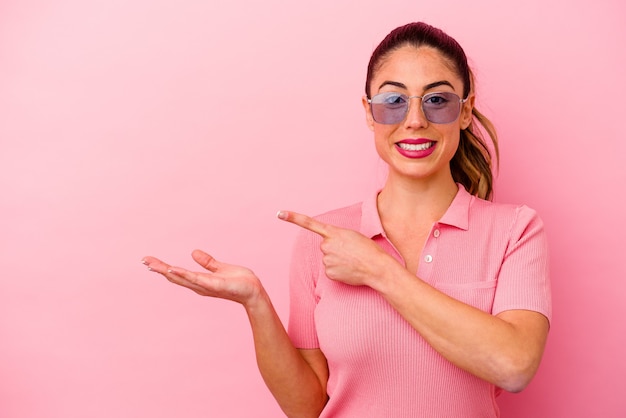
(305, 222)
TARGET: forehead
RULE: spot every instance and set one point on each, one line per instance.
(416, 68)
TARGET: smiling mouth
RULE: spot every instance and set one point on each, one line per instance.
(415, 147)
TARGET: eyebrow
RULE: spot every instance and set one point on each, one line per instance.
(426, 87)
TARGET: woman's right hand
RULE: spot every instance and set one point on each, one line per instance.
(225, 281)
(296, 378)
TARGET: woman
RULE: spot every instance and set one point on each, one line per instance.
(426, 298)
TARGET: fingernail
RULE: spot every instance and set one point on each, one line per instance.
(144, 262)
(149, 268)
(281, 215)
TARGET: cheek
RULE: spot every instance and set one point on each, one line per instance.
(450, 137)
(453, 143)
(381, 141)
(455, 134)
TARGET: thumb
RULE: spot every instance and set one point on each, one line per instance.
(205, 260)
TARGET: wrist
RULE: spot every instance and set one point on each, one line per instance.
(258, 300)
(388, 273)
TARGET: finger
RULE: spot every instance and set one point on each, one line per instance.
(175, 275)
(156, 265)
(205, 260)
(147, 260)
(306, 222)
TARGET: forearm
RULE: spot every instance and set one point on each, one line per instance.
(292, 381)
(502, 352)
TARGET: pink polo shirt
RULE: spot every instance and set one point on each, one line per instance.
(488, 255)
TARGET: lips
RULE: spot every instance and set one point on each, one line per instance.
(416, 148)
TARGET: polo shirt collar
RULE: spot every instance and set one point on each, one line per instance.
(457, 214)
(370, 220)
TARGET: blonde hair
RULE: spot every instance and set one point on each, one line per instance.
(472, 164)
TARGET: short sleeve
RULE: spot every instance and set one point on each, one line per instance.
(303, 274)
(524, 277)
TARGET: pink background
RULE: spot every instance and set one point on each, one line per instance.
(130, 128)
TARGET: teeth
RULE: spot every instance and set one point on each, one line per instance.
(415, 147)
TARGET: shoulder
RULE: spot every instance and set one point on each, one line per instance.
(348, 217)
(516, 222)
(496, 211)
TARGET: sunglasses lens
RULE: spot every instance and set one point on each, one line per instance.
(391, 108)
(441, 107)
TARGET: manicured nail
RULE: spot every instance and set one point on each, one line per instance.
(144, 262)
(281, 215)
(150, 269)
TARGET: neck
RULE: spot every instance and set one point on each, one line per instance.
(423, 200)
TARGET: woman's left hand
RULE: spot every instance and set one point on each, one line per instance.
(349, 256)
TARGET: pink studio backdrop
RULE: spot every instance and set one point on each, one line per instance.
(155, 127)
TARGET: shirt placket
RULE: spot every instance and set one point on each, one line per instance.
(429, 253)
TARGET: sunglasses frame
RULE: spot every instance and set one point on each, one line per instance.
(408, 98)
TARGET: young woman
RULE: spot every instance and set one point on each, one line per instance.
(426, 298)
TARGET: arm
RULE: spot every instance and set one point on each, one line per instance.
(297, 379)
(505, 349)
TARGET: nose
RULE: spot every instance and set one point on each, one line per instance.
(415, 117)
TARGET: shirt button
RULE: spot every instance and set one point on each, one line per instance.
(436, 233)
(428, 258)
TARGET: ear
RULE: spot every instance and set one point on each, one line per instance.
(466, 112)
(369, 119)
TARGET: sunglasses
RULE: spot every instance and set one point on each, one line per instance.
(391, 108)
